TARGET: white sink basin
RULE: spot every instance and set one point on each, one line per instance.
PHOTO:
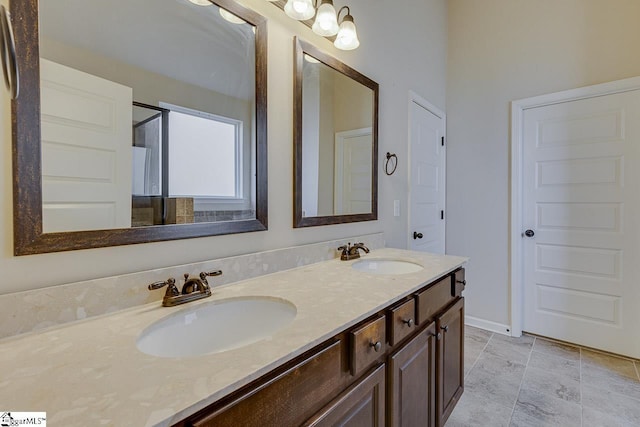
(216, 327)
(386, 266)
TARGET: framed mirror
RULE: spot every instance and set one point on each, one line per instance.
(138, 121)
(335, 141)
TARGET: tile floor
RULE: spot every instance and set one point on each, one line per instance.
(532, 382)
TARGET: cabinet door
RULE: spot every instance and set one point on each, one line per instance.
(450, 359)
(361, 405)
(412, 382)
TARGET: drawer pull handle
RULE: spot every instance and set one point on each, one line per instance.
(376, 346)
(462, 282)
(445, 328)
(408, 322)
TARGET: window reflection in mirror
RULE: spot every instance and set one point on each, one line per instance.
(148, 114)
(210, 145)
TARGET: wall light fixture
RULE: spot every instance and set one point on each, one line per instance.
(327, 22)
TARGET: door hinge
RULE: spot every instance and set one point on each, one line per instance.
(442, 140)
(441, 214)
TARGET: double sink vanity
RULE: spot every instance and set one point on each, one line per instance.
(359, 342)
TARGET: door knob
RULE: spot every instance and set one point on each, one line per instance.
(417, 235)
(529, 233)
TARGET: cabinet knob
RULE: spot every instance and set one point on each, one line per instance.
(376, 346)
(445, 328)
(408, 322)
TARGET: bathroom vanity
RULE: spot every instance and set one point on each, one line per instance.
(362, 348)
(403, 366)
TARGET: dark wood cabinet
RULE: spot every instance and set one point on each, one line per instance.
(402, 366)
(412, 393)
(450, 360)
(361, 405)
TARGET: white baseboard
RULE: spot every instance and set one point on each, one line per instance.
(487, 325)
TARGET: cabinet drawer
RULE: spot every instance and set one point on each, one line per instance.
(368, 344)
(402, 321)
(433, 299)
(310, 384)
(459, 283)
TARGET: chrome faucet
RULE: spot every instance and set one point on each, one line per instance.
(351, 252)
(194, 288)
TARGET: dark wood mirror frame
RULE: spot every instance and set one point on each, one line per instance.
(299, 220)
(27, 190)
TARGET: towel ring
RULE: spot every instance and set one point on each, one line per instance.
(394, 163)
(8, 54)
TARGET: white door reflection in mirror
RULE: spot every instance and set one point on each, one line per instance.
(86, 150)
(352, 190)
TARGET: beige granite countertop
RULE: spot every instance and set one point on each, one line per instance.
(90, 373)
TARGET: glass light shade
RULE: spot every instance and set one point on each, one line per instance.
(310, 59)
(201, 2)
(347, 38)
(326, 23)
(300, 9)
(228, 16)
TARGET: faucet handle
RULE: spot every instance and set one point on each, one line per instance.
(210, 274)
(205, 274)
(344, 248)
(170, 283)
(157, 285)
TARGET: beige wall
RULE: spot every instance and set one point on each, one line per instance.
(326, 151)
(412, 57)
(504, 50)
(352, 105)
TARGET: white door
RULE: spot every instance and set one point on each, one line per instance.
(581, 207)
(86, 150)
(427, 177)
(353, 181)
